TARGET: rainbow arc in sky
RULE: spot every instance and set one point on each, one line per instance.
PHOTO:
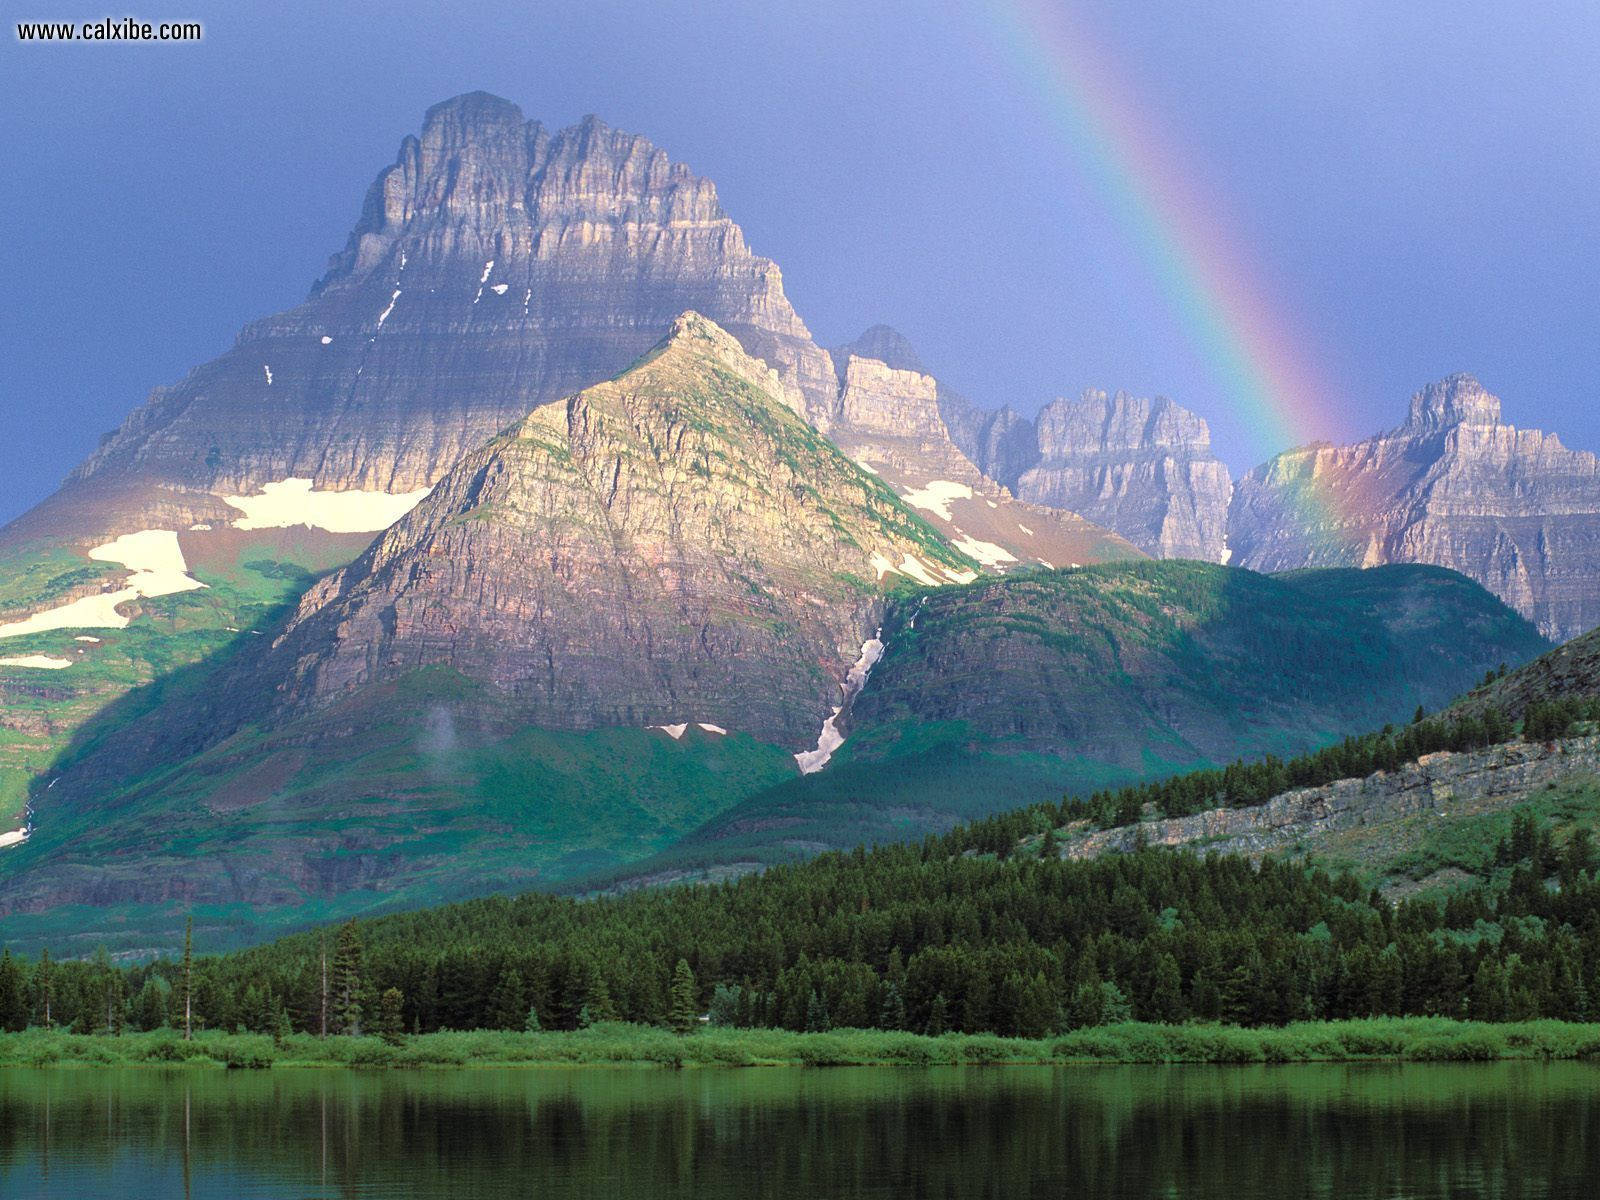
(1206, 275)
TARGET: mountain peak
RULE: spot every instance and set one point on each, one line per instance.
(473, 111)
(1455, 400)
(889, 346)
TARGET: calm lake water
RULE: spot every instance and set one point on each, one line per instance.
(1506, 1130)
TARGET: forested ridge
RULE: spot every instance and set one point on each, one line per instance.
(902, 937)
(983, 929)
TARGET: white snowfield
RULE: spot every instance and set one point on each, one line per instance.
(937, 497)
(295, 502)
(830, 739)
(43, 662)
(384, 315)
(989, 554)
(156, 560)
(677, 731)
(914, 568)
(154, 557)
(13, 838)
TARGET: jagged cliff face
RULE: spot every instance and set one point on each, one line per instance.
(1143, 468)
(1456, 486)
(676, 545)
(496, 266)
(890, 418)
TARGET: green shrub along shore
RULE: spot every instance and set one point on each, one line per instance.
(1393, 1039)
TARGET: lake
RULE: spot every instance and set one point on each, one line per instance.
(1501, 1130)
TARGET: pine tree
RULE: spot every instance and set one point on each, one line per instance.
(682, 1010)
(13, 1002)
(816, 1014)
(727, 1005)
(1166, 992)
(596, 1007)
(188, 980)
(508, 1002)
(150, 1004)
(391, 1017)
(892, 1013)
(938, 1016)
(347, 966)
(530, 1023)
(44, 983)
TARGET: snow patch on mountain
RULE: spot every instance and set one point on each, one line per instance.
(43, 662)
(988, 553)
(295, 502)
(830, 739)
(156, 560)
(936, 497)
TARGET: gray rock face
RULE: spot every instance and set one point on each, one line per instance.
(496, 266)
(1142, 468)
(890, 417)
(1435, 785)
(1455, 486)
(673, 545)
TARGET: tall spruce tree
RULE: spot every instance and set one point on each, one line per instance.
(347, 969)
(13, 997)
(188, 980)
(682, 1007)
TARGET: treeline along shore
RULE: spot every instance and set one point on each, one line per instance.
(985, 932)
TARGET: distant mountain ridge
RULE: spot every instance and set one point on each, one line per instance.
(1454, 485)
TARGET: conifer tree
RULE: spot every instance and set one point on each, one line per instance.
(13, 1001)
(347, 969)
(682, 1009)
(44, 983)
(508, 1002)
(391, 1017)
(816, 1014)
(188, 980)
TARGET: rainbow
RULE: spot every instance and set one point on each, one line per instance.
(1206, 275)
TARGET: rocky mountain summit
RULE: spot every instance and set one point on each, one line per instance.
(1455, 486)
(890, 417)
(1143, 468)
(496, 266)
(674, 545)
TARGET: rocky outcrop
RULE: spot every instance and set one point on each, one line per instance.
(1437, 785)
(1142, 468)
(674, 545)
(496, 266)
(1001, 442)
(1455, 486)
(890, 417)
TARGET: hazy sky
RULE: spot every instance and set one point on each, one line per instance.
(1414, 188)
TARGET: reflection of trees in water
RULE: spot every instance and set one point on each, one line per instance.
(1513, 1130)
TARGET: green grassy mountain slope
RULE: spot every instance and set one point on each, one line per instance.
(251, 579)
(1005, 692)
(616, 619)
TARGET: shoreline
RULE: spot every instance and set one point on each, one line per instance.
(1396, 1039)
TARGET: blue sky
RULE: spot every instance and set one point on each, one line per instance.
(1416, 185)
